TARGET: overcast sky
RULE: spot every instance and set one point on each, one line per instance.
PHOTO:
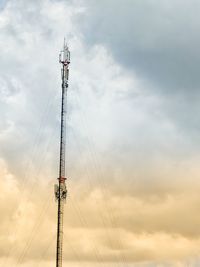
(133, 132)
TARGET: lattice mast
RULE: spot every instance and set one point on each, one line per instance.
(60, 188)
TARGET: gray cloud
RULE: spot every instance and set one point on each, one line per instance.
(158, 42)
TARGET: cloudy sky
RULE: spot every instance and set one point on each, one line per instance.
(133, 132)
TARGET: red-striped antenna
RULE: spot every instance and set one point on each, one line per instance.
(60, 188)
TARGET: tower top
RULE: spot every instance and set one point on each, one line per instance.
(64, 57)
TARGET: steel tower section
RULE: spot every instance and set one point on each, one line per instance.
(60, 188)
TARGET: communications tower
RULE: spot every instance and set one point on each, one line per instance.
(60, 187)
